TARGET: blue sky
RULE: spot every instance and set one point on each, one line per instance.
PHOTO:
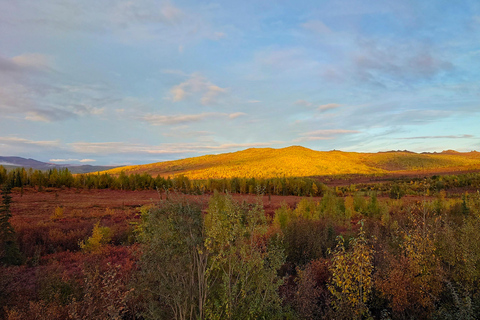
(126, 82)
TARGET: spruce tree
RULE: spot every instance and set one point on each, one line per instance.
(9, 251)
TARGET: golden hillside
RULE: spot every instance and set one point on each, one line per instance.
(300, 162)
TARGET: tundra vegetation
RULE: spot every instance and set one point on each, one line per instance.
(401, 248)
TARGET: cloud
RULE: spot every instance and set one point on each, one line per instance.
(321, 108)
(25, 64)
(462, 136)
(16, 146)
(303, 103)
(125, 21)
(326, 134)
(13, 144)
(31, 88)
(48, 115)
(175, 119)
(128, 13)
(236, 145)
(329, 132)
(111, 148)
(171, 13)
(15, 141)
(284, 59)
(316, 26)
(380, 63)
(175, 72)
(211, 94)
(303, 139)
(328, 106)
(182, 133)
(156, 120)
(104, 147)
(236, 115)
(218, 35)
(178, 93)
(72, 160)
(32, 60)
(199, 86)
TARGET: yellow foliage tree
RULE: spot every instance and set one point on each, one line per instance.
(351, 282)
(100, 236)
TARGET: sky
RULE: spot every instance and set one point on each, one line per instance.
(108, 82)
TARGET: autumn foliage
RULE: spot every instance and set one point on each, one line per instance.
(404, 249)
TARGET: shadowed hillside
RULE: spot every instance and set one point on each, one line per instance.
(300, 162)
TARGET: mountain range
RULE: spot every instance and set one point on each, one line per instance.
(18, 162)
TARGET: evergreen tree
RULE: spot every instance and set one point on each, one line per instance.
(9, 251)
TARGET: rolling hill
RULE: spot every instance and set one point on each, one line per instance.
(19, 162)
(298, 161)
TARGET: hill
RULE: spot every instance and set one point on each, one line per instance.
(301, 162)
(19, 162)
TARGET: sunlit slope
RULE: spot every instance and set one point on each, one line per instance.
(301, 162)
(399, 161)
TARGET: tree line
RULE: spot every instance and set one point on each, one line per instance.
(59, 178)
(297, 186)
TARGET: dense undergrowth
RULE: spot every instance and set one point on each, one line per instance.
(361, 251)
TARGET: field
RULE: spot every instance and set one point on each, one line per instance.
(110, 206)
(100, 253)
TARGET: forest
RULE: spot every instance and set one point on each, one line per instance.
(238, 248)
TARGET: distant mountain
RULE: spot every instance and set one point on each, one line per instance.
(298, 161)
(18, 162)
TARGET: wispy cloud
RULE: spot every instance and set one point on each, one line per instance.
(381, 63)
(303, 103)
(155, 119)
(211, 94)
(32, 60)
(329, 106)
(330, 132)
(175, 72)
(184, 133)
(274, 61)
(197, 85)
(316, 26)
(109, 148)
(219, 35)
(15, 141)
(32, 89)
(462, 136)
(327, 134)
(321, 108)
(72, 160)
(175, 119)
(125, 21)
(236, 115)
